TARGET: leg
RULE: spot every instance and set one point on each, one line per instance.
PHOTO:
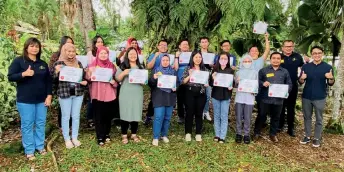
(124, 127)
(108, 117)
(190, 111)
(40, 121)
(167, 119)
(98, 115)
(206, 106)
(89, 114)
(27, 118)
(261, 118)
(76, 107)
(158, 120)
(217, 112)
(66, 106)
(307, 109)
(275, 115)
(239, 111)
(247, 119)
(224, 118)
(282, 116)
(319, 106)
(134, 127)
(291, 109)
(199, 106)
(59, 116)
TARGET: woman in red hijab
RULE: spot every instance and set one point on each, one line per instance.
(131, 42)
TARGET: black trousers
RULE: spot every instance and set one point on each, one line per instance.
(102, 112)
(274, 111)
(194, 105)
(150, 111)
(125, 126)
(116, 116)
(181, 100)
(289, 105)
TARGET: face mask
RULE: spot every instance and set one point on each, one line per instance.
(247, 65)
(223, 62)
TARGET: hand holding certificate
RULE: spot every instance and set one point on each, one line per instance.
(102, 74)
(248, 86)
(71, 74)
(167, 81)
(83, 60)
(138, 76)
(260, 27)
(223, 80)
(208, 58)
(199, 77)
(184, 57)
(278, 90)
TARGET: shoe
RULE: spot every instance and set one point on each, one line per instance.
(181, 120)
(305, 140)
(279, 130)
(69, 144)
(198, 138)
(206, 115)
(247, 139)
(216, 139)
(291, 133)
(76, 142)
(238, 138)
(256, 137)
(107, 139)
(155, 142)
(101, 142)
(188, 137)
(221, 141)
(165, 139)
(316, 143)
(148, 120)
(274, 139)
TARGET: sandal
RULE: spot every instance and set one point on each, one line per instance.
(30, 157)
(125, 139)
(42, 152)
(135, 138)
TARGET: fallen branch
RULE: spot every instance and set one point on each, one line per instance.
(51, 141)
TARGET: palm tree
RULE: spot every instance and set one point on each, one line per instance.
(69, 9)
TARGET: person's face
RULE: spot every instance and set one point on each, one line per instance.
(71, 53)
(162, 47)
(204, 43)
(226, 47)
(254, 53)
(33, 49)
(184, 46)
(132, 56)
(165, 61)
(99, 42)
(134, 44)
(223, 60)
(69, 41)
(197, 59)
(276, 60)
(317, 54)
(288, 47)
(103, 55)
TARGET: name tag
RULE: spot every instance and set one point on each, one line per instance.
(270, 75)
(282, 61)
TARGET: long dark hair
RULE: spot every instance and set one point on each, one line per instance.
(32, 41)
(126, 64)
(63, 41)
(94, 42)
(218, 65)
(191, 62)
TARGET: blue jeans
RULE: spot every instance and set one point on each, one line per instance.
(33, 119)
(221, 108)
(70, 107)
(208, 92)
(161, 124)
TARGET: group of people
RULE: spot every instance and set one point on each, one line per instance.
(37, 82)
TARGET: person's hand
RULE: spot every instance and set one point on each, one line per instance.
(306, 58)
(126, 72)
(157, 54)
(206, 85)
(28, 72)
(303, 76)
(174, 89)
(266, 84)
(234, 67)
(266, 36)
(113, 82)
(84, 83)
(190, 72)
(177, 54)
(329, 75)
(230, 88)
(58, 68)
(155, 76)
(214, 74)
(47, 101)
(237, 79)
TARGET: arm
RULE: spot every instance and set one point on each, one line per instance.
(302, 78)
(14, 71)
(49, 81)
(267, 47)
(186, 76)
(261, 79)
(120, 75)
(151, 60)
(152, 82)
(176, 64)
(211, 79)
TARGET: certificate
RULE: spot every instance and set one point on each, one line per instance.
(138, 76)
(223, 80)
(113, 55)
(248, 86)
(260, 27)
(208, 58)
(278, 90)
(172, 57)
(71, 74)
(167, 81)
(184, 57)
(102, 74)
(199, 77)
(83, 60)
(141, 59)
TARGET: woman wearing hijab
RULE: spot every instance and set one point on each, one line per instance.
(244, 102)
(103, 95)
(163, 101)
(70, 95)
(131, 42)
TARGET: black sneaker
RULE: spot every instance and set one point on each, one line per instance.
(305, 140)
(148, 121)
(238, 138)
(316, 143)
(291, 133)
(247, 139)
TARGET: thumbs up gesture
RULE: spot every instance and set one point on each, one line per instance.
(28, 72)
(304, 75)
(329, 75)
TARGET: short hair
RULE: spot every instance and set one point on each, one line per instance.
(224, 41)
(162, 40)
(288, 40)
(317, 47)
(185, 39)
(32, 41)
(203, 37)
(275, 53)
(249, 49)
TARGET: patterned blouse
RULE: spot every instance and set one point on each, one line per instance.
(186, 74)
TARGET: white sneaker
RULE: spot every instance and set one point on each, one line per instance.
(198, 138)
(155, 142)
(76, 142)
(165, 139)
(207, 116)
(69, 144)
(188, 137)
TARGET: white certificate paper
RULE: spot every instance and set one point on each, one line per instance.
(172, 57)
(260, 27)
(71, 74)
(102, 74)
(278, 90)
(199, 77)
(248, 86)
(141, 59)
(167, 81)
(83, 60)
(223, 80)
(138, 76)
(184, 57)
(208, 58)
(113, 55)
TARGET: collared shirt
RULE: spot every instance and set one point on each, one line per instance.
(292, 64)
(316, 82)
(279, 76)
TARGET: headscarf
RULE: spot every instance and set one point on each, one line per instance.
(102, 63)
(64, 57)
(247, 73)
(131, 39)
(165, 70)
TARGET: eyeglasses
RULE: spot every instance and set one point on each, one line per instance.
(246, 61)
(288, 46)
(317, 53)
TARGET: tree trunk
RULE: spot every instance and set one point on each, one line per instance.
(86, 19)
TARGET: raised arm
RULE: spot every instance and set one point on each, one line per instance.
(267, 47)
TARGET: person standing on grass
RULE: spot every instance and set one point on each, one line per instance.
(34, 93)
(70, 95)
(103, 96)
(221, 98)
(195, 97)
(317, 75)
(163, 100)
(273, 74)
(130, 96)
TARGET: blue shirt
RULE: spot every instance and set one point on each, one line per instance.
(316, 82)
(231, 58)
(157, 61)
(258, 63)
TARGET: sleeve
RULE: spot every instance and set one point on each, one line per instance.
(150, 58)
(152, 82)
(211, 80)
(261, 77)
(15, 71)
(118, 72)
(185, 73)
(234, 60)
(215, 59)
(288, 81)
